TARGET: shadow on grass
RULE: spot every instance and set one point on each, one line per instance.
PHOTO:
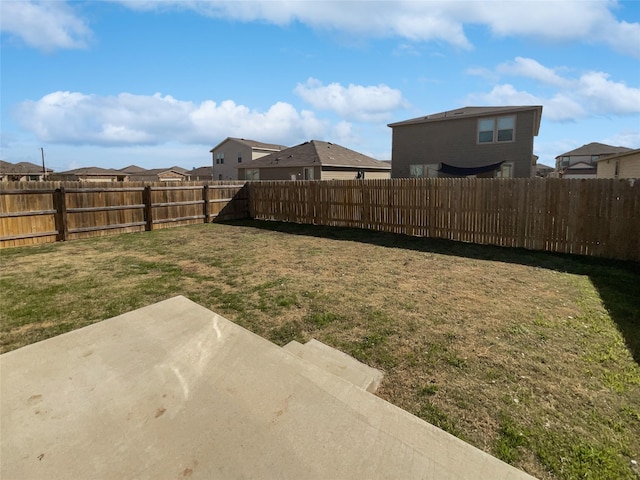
(617, 282)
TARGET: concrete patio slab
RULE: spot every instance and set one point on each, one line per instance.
(174, 390)
(337, 363)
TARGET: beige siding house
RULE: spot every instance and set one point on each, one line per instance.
(582, 162)
(469, 141)
(620, 165)
(22, 172)
(233, 153)
(315, 160)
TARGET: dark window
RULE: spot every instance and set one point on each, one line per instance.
(485, 130)
(505, 128)
(494, 129)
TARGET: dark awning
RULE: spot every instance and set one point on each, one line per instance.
(465, 171)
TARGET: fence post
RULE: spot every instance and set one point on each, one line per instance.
(205, 206)
(148, 208)
(60, 206)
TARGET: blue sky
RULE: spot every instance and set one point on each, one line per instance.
(159, 83)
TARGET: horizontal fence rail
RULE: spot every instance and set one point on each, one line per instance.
(587, 217)
(42, 212)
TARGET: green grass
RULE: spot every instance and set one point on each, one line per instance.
(532, 357)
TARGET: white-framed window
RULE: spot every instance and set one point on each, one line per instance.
(219, 158)
(506, 171)
(426, 170)
(496, 129)
(252, 174)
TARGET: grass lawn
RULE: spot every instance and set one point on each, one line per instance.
(532, 357)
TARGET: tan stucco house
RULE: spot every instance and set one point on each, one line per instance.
(582, 162)
(620, 165)
(232, 153)
(315, 160)
(22, 172)
(469, 141)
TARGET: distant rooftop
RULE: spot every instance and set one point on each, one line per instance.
(254, 144)
(595, 148)
(316, 152)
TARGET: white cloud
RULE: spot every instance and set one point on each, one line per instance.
(590, 94)
(46, 25)
(126, 119)
(444, 21)
(605, 96)
(527, 67)
(54, 24)
(627, 138)
(364, 103)
(558, 108)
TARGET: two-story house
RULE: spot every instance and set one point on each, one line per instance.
(583, 162)
(233, 153)
(469, 141)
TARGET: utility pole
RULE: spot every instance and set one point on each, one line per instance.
(44, 170)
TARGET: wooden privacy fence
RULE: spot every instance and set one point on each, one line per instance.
(41, 212)
(587, 217)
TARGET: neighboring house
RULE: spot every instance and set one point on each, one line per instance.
(172, 174)
(92, 174)
(543, 170)
(620, 165)
(469, 141)
(315, 160)
(201, 174)
(582, 162)
(22, 172)
(232, 153)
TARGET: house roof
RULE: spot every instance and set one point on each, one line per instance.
(595, 148)
(132, 169)
(201, 172)
(253, 144)
(21, 168)
(470, 112)
(93, 171)
(619, 155)
(316, 152)
(158, 171)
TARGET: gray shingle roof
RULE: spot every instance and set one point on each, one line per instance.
(620, 154)
(93, 171)
(316, 152)
(201, 172)
(466, 112)
(595, 148)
